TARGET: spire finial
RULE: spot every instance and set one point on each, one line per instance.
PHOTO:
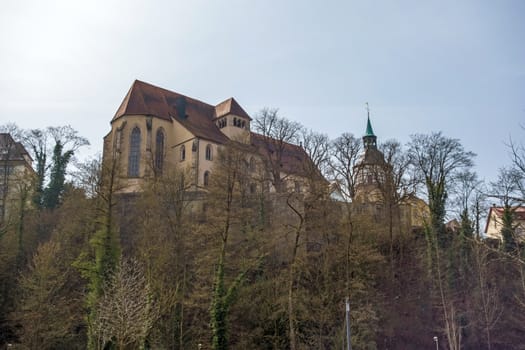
(369, 130)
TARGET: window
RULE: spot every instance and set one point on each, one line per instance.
(252, 164)
(159, 150)
(239, 123)
(118, 140)
(182, 153)
(253, 188)
(208, 152)
(134, 153)
(206, 178)
(6, 170)
(221, 123)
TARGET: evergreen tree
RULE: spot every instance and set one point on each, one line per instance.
(55, 188)
(507, 230)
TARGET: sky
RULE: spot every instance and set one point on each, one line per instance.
(423, 66)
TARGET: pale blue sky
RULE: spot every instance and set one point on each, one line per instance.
(454, 66)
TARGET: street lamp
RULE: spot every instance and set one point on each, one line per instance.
(437, 342)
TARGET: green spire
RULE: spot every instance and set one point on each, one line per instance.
(369, 131)
(369, 140)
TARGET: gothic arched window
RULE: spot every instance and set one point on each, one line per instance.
(252, 164)
(208, 152)
(182, 153)
(206, 178)
(134, 153)
(159, 150)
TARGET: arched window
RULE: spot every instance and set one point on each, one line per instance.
(134, 153)
(208, 152)
(159, 150)
(252, 164)
(182, 153)
(206, 178)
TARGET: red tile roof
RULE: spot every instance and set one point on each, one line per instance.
(197, 116)
(230, 106)
(10, 149)
(294, 158)
(519, 214)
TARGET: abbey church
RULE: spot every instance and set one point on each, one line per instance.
(156, 131)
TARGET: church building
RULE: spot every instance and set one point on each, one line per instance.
(156, 131)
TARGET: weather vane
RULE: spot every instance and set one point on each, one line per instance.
(368, 109)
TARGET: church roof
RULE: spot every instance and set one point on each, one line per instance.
(196, 116)
(230, 106)
(293, 157)
(12, 150)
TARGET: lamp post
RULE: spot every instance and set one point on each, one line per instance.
(437, 342)
(348, 340)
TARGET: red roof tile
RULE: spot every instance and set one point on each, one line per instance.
(293, 159)
(519, 212)
(230, 106)
(197, 116)
(10, 149)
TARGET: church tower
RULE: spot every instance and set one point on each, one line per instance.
(370, 170)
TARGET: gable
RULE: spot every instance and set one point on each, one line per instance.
(149, 100)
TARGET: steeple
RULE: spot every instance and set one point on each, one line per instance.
(369, 140)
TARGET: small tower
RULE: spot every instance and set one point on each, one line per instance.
(369, 140)
(370, 169)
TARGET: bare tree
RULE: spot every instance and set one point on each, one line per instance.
(126, 312)
(48, 307)
(64, 141)
(518, 163)
(317, 147)
(486, 294)
(277, 133)
(345, 152)
(437, 160)
(506, 189)
(395, 185)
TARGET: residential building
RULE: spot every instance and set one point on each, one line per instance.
(494, 222)
(15, 175)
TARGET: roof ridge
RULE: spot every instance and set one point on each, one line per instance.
(172, 92)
